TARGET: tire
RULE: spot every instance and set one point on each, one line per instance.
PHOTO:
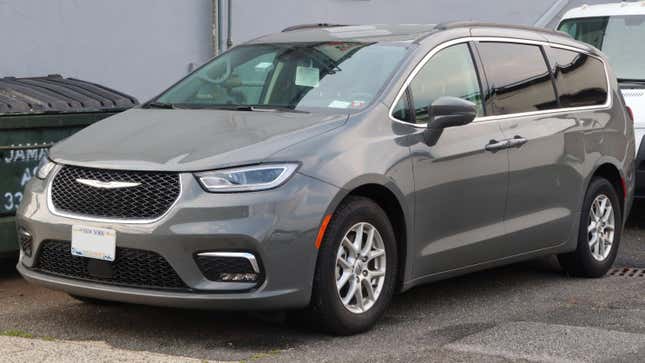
(586, 260)
(326, 309)
(92, 301)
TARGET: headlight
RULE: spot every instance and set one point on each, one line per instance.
(44, 168)
(245, 179)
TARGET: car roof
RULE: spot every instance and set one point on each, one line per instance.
(311, 33)
(395, 32)
(613, 9)
(347, 33)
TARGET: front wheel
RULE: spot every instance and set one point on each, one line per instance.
(599, 233)
(356, 270)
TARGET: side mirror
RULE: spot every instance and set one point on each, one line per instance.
(451, 111)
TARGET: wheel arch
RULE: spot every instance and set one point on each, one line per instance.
(392, 200)
(611, 173)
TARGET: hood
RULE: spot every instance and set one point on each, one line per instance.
(188, 140)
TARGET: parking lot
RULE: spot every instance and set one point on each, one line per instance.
(527, 311)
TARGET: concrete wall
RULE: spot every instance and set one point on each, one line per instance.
(252, 18)
(135, 46)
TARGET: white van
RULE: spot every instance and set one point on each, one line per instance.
(618, 30)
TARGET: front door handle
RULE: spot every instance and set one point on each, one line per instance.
(495, 146)
(517, 141)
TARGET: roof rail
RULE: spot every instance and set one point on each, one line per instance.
(311, 26)
(460, 24)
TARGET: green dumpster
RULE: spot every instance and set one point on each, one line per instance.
(35, 113)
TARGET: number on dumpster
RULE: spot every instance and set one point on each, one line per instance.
(12, 201)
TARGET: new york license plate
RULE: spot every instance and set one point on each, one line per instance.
(92, 242)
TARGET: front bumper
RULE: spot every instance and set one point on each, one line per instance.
(262, 299)
(278, 226)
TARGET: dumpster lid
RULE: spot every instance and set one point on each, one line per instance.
(55, 94)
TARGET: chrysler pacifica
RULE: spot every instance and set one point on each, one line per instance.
(326, 168)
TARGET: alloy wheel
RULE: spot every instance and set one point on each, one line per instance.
(360, 267)
(601, 227)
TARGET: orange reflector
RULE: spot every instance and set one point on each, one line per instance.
(321, 231)
(630, 113)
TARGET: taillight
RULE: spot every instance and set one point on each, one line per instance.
(630, 113)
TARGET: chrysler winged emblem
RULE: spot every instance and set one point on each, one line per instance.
(107, 184)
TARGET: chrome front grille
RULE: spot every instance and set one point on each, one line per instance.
(114, 194)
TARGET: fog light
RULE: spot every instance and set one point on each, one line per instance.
(26, 241)
(238, 277)
(230, 266)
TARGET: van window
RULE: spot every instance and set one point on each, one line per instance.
(580, 79)
(451, 72)
(252, 76)
(401, 111)
(619, 37)
(518, 77)
(316, 76)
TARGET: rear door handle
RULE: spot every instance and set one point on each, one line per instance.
(495, 146)
(517, 141)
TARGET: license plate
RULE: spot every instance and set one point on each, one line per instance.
(92, 242)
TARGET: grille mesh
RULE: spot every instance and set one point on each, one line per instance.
(132, 267)
(151, 199)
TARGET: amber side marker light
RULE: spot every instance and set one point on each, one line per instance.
(321, 231)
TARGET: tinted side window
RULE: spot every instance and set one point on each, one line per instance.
(580, 79)
(451, 72)
(518, 77)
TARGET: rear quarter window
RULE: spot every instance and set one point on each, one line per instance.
(580, 79)
(518, 78)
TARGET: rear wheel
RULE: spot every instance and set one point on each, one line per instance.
(599, 233)
(356, 270)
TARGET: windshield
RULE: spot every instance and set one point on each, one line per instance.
(338, 75)
(619, 37)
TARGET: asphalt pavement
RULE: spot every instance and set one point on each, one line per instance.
(524, 312)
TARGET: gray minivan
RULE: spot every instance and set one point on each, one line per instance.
(325, 168)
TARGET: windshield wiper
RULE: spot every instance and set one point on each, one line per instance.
(284, 108)
(168, 106)
(259, 108)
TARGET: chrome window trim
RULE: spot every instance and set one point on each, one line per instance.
(607, 105)
(54, 211)
(246, 255)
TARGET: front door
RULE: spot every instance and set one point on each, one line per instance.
(460, 186)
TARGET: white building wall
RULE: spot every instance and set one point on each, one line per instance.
(142, 46)
(136, 46)
(252, 18)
